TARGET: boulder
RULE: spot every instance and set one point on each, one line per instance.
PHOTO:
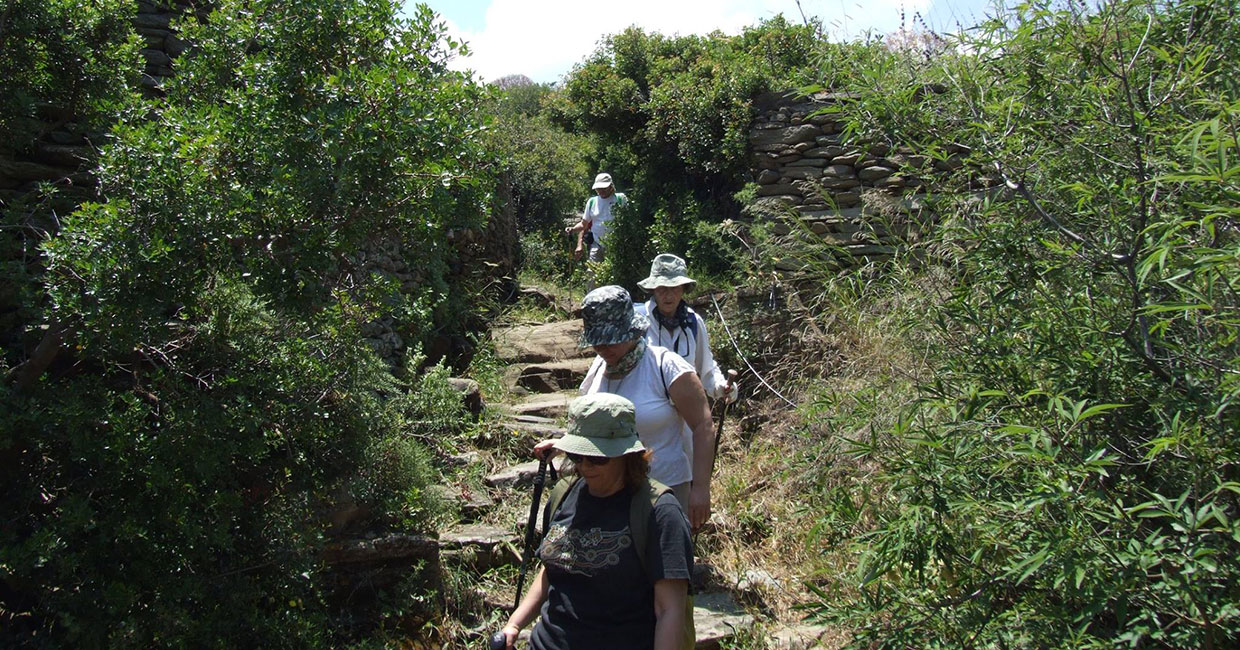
(539, 343)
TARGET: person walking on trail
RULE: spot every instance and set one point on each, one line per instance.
(673, 416)
(592, 229)
(596, 589)
(675, 326)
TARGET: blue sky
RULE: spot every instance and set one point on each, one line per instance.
(542, 39)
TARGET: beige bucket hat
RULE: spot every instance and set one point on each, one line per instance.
(667, 270)
(601, 424)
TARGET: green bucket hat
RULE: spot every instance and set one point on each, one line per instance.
(601, 424)
(667, 270)
(609, 317)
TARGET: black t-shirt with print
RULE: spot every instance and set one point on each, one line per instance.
(599, 597)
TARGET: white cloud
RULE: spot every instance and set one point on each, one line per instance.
(543, 39)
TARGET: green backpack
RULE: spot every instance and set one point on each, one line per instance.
(640, 509)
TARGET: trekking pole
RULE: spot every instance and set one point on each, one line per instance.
(539, 480)
(723, 414)
(499, 641)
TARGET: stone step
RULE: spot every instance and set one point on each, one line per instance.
(539, 343)
(548, 405)
(553, 376)
(716, 618)
(521, 475)
(471, 503)
(479, 547)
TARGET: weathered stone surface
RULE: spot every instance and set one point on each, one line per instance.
(828, 152)
(849, 159)
(808, 162)
(847, 199)
(479, 547)
(551, 405)
(555, 376)
(471, 393)
(839, 171)
(539, 343)
(840, 184)
(871, 249)
(469, 502)
(717, 617)
(871, 174)
(767, 177)
(777, 189)
(788, 135)
(520, 475)
(802, 173)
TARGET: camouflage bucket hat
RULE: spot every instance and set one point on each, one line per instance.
(601, 424)
(667, 270)
(609, 317)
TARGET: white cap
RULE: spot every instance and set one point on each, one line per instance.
(601, 181)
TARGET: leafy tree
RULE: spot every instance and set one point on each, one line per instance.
(169, 472)
(1068, 477)
(670, 118)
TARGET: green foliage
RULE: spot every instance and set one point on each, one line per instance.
(669, 117)
(168, 479)
(545, 167)
(1066, 478)
(72, 57)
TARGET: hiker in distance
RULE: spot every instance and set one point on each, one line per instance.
(675, 326)
(673, 416)
(596, 588)
(592, 229)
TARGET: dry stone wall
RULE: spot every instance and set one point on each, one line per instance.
(862, 197)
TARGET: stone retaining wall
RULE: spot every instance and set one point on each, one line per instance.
(862, 197)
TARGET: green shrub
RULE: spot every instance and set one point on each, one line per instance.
(215, 392)
(1064, 475)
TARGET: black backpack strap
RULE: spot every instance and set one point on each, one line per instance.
(641, 508)
(558, 492)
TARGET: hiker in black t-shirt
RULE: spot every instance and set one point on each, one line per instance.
(596, 589)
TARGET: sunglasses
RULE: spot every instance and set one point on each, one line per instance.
(578, 459)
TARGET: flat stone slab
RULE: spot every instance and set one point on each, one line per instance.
(479, 547)
(552, 376)
(521, 475)
(539, 343)
(716, 617)
(547, 405)
(472, 503)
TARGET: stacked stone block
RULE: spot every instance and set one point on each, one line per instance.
(814, 181)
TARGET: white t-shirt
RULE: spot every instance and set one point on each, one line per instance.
(694, 348)
(598, 213)
(659, 424)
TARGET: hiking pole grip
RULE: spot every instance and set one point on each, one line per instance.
(539, 480)
(498, 641)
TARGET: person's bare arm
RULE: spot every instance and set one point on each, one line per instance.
(528, 609)
(690, 400)
(669, 613)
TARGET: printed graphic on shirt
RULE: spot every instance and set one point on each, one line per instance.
(584, 552)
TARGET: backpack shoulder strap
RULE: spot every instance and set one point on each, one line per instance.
(663, 378)
(558, 492)
(640, 509)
